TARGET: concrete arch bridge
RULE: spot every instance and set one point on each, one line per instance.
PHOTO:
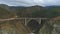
(26, 25)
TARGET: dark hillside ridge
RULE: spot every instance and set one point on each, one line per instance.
(33, 11)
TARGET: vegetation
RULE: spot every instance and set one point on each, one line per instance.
(38, 11)
(29, 12)
(33, 11)
(5, 13)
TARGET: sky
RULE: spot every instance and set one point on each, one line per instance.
(30, 2)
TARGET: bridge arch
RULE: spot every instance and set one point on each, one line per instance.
(29, 19)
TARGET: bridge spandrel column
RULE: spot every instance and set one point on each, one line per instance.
(39, 20)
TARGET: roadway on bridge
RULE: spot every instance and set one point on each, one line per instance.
(19, 18)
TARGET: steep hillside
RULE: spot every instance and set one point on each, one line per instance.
(14, 27)
(37, 11)
(53, 11)
(32, 11)
(4, 13)
(28, 11)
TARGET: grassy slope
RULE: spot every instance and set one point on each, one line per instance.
(5, 13)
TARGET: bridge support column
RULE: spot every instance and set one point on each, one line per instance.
(25, 22)
(39, 20)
